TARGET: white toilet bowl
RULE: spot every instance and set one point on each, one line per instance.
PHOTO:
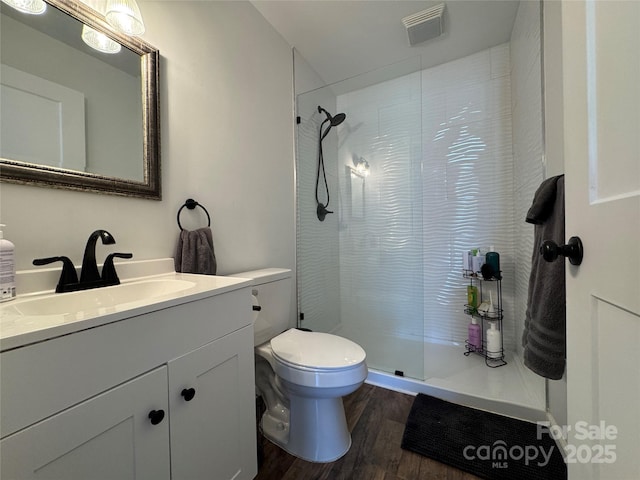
(303, 377)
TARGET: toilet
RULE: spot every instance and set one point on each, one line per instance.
(301, 375)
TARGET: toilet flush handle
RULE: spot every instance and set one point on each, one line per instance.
(257, 308)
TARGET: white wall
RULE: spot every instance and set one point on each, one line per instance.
(226, 86)
(305, 77)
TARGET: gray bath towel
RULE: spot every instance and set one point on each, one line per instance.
(195, 253)
(544, 337)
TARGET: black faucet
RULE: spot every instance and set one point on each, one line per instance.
(89, 272)
(89, 275)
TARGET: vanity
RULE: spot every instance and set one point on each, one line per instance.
(152, 379)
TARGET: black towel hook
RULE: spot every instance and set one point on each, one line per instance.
(191, 204)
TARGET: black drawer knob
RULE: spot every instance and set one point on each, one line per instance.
(156, 416)
(188, 394)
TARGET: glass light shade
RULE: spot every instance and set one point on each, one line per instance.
(363, 169)
(124, 16)
(98, 5)
(99, 41)
(362, 166)
(34, 7)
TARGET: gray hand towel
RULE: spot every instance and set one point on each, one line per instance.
(544, 336)
(195, 253)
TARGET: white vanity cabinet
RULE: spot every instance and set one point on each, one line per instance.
(213, 433)
(107, 437)
(168, 394)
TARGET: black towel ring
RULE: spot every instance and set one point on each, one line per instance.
(191, 204)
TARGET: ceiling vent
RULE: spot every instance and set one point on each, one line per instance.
(424, 25)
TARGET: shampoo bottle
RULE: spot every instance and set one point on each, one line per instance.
(475, 340)
(493, 260)
(494, 341)
(477, 261)
(7, 269)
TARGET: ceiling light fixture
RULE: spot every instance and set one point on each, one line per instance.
(99, 41)
(33, 7)
(124, 16)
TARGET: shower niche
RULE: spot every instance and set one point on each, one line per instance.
(484, 305)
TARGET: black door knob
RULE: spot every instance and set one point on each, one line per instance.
(188, 394)
(156, 416)
(572, 250)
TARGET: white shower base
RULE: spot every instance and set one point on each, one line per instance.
(511, 390)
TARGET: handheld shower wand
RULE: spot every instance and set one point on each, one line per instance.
(334, 121)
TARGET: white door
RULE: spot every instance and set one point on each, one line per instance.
(108, 437)
(601, 68)
(212, 403)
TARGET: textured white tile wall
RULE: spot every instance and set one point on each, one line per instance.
(528, 148)
(439, 145)
(467, 184)
(380, 247)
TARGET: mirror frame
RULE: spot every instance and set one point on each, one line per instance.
(27, 173)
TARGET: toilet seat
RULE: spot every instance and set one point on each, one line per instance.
(316, 351)
(338, 362)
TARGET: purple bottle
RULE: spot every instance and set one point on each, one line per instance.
(475, 336)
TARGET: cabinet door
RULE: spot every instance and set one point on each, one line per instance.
(107, 437)
(213, 433)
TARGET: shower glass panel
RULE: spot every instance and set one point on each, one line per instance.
(360, 270)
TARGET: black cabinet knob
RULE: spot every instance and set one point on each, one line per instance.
(156, 416)
(188, 394)
(572, 250)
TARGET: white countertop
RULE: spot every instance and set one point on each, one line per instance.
(18, 329)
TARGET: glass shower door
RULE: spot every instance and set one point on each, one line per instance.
(360, 271)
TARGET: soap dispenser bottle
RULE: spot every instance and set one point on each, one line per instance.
(475, 340)
(7, 269)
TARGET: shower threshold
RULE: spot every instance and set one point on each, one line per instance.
(511, 390)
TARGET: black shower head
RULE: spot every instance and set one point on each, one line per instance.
(338, 119)
(334, 121)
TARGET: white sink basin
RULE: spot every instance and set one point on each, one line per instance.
(99, 298)
(40, 316)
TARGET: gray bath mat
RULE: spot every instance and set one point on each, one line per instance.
(487, 445)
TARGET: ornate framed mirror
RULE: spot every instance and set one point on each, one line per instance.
(74, 117)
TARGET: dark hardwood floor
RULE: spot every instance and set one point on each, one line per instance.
(376, 418)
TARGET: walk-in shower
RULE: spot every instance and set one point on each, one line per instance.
(452, 163)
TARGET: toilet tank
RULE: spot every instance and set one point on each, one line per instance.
(272, 292)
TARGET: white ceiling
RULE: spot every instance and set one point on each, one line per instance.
(344, 38)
